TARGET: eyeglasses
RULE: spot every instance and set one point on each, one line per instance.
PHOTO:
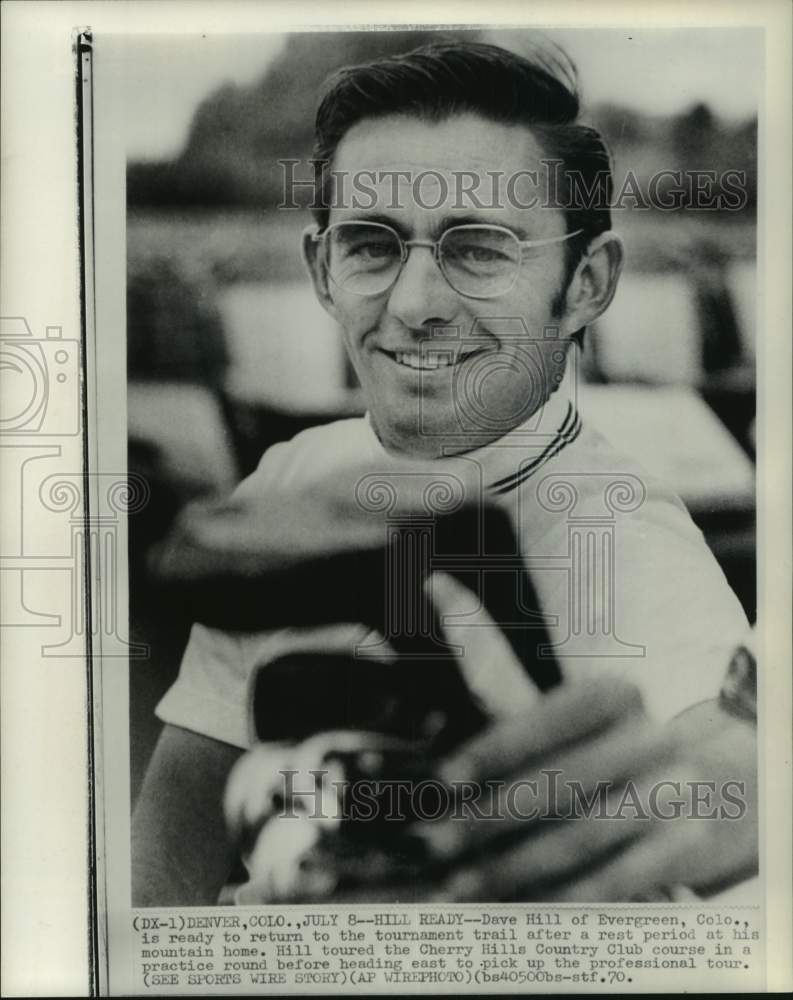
(477, 261)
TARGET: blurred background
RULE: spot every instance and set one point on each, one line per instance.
(228, 352)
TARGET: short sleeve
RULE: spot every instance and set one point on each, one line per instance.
(672, 621)
(692, 624)
(213, 694)
(209, 695)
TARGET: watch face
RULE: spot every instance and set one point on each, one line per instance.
(739, 690)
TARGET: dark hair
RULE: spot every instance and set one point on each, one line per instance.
(450, 77)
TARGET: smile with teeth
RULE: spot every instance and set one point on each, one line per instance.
(429, 360)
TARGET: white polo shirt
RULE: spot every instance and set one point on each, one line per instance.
(624, 578)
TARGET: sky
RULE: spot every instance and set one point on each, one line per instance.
(161, 79)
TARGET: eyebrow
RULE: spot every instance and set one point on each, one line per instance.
(447, 222)
(385, 220)
(480, 220)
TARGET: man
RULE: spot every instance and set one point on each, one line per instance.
(460, 310)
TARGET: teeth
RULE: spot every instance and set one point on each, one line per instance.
(428, 361)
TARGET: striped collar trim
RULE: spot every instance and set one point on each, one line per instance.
(567, 433)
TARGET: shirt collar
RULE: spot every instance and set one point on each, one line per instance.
(513, 458)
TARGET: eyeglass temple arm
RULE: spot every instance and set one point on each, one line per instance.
(551, 240)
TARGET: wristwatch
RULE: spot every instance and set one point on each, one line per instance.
(739, 691)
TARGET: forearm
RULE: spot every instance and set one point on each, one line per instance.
(720, 748)
(180, 852)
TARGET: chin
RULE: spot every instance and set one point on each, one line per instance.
(434, 441)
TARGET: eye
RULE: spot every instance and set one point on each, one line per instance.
(478, 254)
(367, 249)
(375, 249)
(479, 249)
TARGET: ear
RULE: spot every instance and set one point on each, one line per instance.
(595, 281)
(313, 259)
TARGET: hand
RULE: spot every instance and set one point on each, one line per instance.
(547, 756)
(283, 525)
(284, 808)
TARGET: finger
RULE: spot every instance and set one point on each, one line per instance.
(354, 864)
(282, 863)
(646, 868)
(306, 887)
(567, 714)
(684, 848)
(253, 785)
(572, 785)
(488, 664)
(558, 850)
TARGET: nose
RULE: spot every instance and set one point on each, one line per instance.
(420, 296)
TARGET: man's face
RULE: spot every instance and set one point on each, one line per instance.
(508, 352)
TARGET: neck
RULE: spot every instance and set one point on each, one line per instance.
(434, 446)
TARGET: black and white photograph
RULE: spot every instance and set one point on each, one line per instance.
(426, 505)
(442, 377)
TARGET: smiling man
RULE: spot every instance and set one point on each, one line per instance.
(462, 277)
(401, 276)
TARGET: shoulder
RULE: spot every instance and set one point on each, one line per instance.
(591, 495)
(613, 545)
(591, 481)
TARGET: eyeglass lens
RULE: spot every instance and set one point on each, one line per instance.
(476, 260)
